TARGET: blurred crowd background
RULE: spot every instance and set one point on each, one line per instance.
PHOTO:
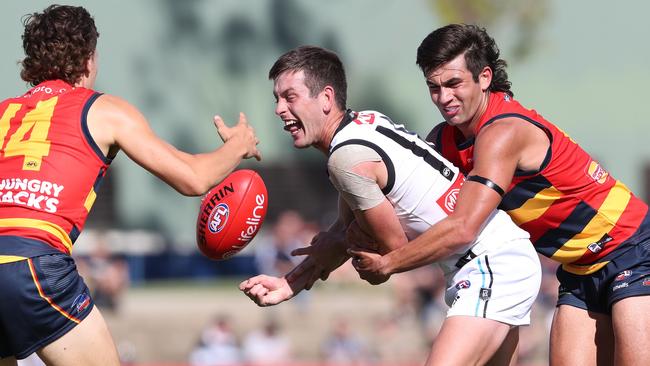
(585, 65)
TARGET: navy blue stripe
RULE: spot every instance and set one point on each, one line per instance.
(418, 151)
(74, 234)
(523, 192)
(24, 247)
(390, 168)
(99, 180)
(465, 144)
(574, 224)
(86, 131)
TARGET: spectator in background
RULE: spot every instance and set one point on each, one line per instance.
(420, 293)
(106, 274)
(342, 347)
(267, 346)
(273, 255)
(218, 345)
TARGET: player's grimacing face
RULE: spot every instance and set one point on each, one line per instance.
(454, 91)
(298, 110)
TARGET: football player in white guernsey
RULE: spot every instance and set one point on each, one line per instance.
(394, 186)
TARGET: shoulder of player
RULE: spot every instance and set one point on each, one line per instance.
(349, 157)
(112, 107)
(506, 134)
(507, 129)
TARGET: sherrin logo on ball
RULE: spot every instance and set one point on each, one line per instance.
(231, 214)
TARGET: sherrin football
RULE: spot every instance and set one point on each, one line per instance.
(231, 214)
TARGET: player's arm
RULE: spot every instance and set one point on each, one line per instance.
(357, 173)
(326, 252)
(114, 123)
(498, 151)
(381, 224)
(359, 186)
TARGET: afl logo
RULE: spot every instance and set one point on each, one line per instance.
(450, 199)
(218, 218)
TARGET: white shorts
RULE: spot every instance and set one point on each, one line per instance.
(501, 283)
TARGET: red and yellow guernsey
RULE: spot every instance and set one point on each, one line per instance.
(575, 211)
(50, 168)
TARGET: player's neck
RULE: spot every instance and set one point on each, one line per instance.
(332, 123)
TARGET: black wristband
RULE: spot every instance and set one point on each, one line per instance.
(488, 183)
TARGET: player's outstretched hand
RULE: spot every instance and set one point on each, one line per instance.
(242, 134)
(369, 265)
(266, 290)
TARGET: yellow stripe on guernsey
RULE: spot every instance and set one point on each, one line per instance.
(535, 207)
(609, 213)
(583, 270)
(90, 200)
(10, 259)
(49, 227)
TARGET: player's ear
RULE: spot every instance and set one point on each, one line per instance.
(328, 94)
(485, 78)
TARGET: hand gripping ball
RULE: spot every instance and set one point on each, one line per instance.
(231, 214)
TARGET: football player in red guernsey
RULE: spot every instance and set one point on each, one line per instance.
(57, 141)
(576, 213)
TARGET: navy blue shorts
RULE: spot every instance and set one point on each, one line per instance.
(626, 275)
(41, 299)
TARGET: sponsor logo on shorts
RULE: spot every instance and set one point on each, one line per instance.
(485, 294)
(455, 299)
(620, 286)
(463, 284)
(623, 275)
(81, 302)
(646, 281)
(219, 218)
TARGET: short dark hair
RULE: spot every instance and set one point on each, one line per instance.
(480, 50)
(321, 66)
(58, 44)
